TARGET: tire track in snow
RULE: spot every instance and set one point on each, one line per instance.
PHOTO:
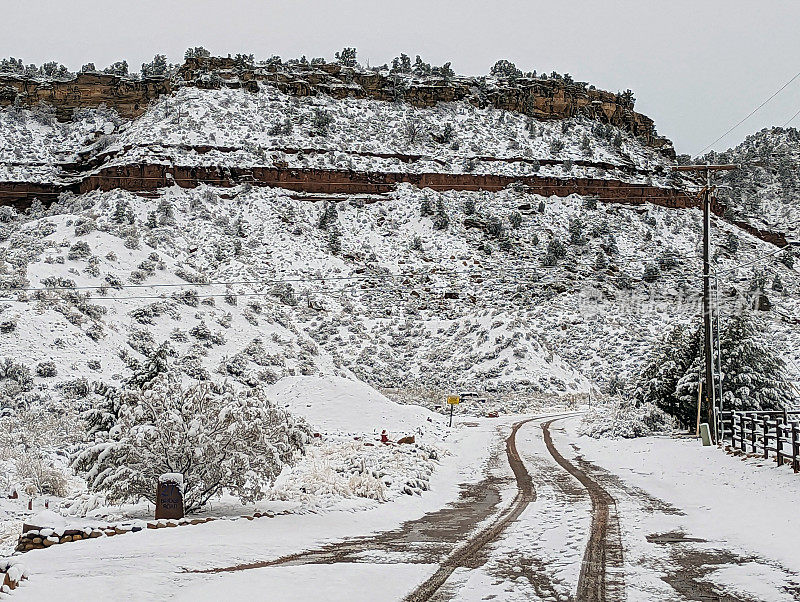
(461, 556)
(602, 576)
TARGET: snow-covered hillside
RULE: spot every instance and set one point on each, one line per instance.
(477, 294)
(766, 189)
(235, 128)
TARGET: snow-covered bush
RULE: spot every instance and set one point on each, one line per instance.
(625, 418)
(218, 438)
(46, 369)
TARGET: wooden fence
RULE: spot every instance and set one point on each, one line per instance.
(767, 433)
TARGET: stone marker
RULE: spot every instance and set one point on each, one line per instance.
(705, 434)
(169, 496)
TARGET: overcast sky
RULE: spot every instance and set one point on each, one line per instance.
(696, 67)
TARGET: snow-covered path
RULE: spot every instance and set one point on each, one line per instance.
(646, 519)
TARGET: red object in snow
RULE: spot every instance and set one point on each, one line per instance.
(384, 437)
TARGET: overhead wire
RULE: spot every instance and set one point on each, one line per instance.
(749, 115)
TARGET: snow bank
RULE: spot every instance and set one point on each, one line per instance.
(337, 404)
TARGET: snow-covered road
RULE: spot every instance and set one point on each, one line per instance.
(646, 519)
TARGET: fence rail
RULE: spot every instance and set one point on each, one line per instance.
(767, 433)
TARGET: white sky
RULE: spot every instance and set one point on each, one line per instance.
(696, 67)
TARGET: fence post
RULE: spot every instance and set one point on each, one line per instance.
(753, 434)
(765, 438)
(795, 462)
(779, 429)
(742, 443)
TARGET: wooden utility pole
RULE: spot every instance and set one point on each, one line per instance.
(707, 392)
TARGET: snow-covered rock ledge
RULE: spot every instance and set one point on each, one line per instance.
(13, 572)
(36, 538)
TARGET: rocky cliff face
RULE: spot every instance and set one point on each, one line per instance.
(128, 96)
(539, 98)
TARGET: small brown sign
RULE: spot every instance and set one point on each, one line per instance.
(169, 498)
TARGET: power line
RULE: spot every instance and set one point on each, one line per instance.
(753, 262)
(750, 114)
(792, 118)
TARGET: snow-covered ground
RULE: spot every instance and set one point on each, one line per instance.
(162, 557)
(742, 510)
(688, 517)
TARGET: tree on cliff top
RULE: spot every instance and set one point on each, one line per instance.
(120, 68)
(155, 68)
(347, 57)
(505, 68)
(197, 52)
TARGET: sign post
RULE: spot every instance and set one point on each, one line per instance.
(452, 400)
(169, 497)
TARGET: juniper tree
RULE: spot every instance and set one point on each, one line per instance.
(425, 207)
(555, 251)
(334, 239)
(441, 220)
(347, 57)
(217, 438)
(155, 68)
(601, 262)
(556, 146)
(732, 243)
(586, 145)
(328, 216)
(196, 52)
(446, 72)
(576, 232)
(321, 122)
(505, 68)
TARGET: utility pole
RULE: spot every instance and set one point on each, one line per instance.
(708, 392)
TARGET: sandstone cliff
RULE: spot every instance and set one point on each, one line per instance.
(539, 98)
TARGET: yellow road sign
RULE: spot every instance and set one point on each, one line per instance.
(453, 399)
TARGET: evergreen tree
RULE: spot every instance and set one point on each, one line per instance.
(329, 215)
(425, 207)
(601, 262)
(347, 57)
(334, 240)
(119, 68)
(441, 220)
(196, 52)
(576, 232)
(505, 68)
(469, 206)
(753, 376)
(155, 68)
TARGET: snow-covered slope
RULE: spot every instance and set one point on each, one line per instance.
(252, 288)
(235, 128)
(765, 191)
(345, 405)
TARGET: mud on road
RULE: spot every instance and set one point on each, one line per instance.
(602, 574)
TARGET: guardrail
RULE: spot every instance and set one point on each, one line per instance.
(766, 433)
